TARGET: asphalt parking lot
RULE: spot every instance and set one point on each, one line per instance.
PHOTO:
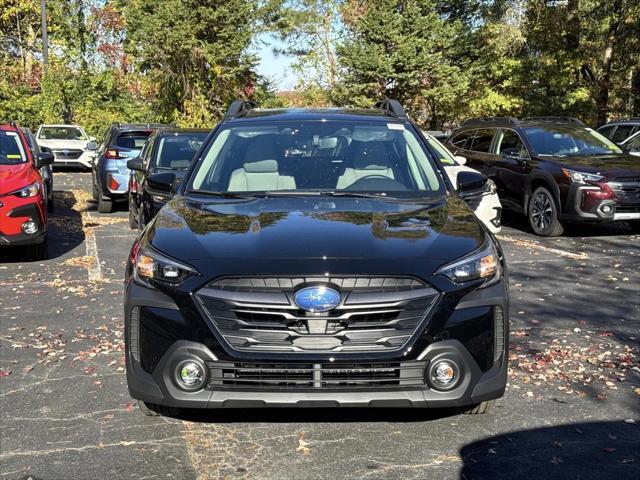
(572, 408)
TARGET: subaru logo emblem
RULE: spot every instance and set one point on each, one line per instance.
(317, 299)
(65, 152)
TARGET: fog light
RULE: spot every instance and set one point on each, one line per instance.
(607, 209)
(29, 227)
(444, 374)
(190, 375)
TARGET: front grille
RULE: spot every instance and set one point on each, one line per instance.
(627, 191)
(312, 376)
(375, 314)
(628, 208)
(68, 154)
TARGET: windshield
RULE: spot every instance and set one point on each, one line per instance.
(61, 133)
(176, 151)
(444, 155)
(132, 140)
(11, 151)
(317, 156)
(559, 141)
(634, 144)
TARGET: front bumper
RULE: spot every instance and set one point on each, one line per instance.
(14, 213)
(85, 160)
(590, 203)
(153, 380)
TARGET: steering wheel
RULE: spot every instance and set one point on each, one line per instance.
(376, 183)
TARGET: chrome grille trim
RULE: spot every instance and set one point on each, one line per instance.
(368, 318)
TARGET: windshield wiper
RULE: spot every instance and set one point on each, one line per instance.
(323, 193)
(355, 194)
(212, 193)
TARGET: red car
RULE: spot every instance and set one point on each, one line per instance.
(23, 212)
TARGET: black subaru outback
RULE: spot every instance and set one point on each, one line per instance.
(316, 258)
(553, 169)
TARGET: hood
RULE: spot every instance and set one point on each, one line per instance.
(612, 166)
(62, 144)
(286, 228)
(13, 177)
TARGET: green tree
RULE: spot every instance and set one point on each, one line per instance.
(403, 49)
(196, 52)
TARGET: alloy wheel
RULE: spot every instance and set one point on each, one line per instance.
(542, 211)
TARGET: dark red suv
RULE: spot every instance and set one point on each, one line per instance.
(553, 170)
(23, 213)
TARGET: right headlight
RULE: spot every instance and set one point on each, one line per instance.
(150, 265)
(481, 264)
(581, 177)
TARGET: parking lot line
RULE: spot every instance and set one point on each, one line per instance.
(536, 246)
(94, 269)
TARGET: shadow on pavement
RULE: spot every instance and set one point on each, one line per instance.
(572, 230)
(317, 415)
(597, 450)
(64, 231)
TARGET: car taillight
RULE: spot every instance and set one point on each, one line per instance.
(113, 183)
(112, 153)
(133, 184)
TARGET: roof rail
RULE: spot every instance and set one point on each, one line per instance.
(546, 118)
(630, 119)
(509, 120)
(238, 108)
(392, 107)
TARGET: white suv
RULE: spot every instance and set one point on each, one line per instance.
(70, 145)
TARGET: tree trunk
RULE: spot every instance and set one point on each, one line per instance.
(635, 93)
(604, 85)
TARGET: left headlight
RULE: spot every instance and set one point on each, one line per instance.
(581, 177)
(27, 192)
(481, 264)
(150, 265)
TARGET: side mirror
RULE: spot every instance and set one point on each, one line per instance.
(460, 159)
(45, 149)
(92, 145)
(471, 182)
(44, 158)
(161, 182)
(135, 164)
(92, 139)
(511, 154)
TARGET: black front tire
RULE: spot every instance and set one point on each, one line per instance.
(104, 205)
(154, 410)
(49, 200)
(481, 408)
(142, 220)
(39, 252)
(95, 193)
(133, 221)
(543, 214)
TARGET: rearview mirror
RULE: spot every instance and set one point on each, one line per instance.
(135, 164)
(161, 182)
(460, 159)
(92, 145)
(471, 182)
(44, 158)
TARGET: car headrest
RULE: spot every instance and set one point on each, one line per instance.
(261, 148)
(371, 156)
(263, 166)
